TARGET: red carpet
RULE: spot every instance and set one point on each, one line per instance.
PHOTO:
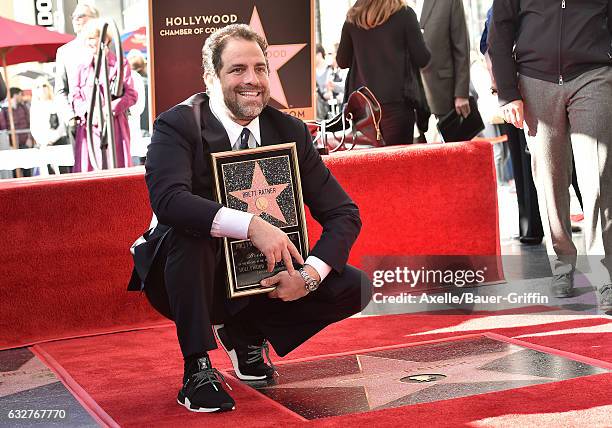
(69, 237)
(134, 376)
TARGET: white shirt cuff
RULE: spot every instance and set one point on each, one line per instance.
(231, 223)
(322, 268)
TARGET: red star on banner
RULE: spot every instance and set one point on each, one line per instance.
(261, 197)
(278, 55)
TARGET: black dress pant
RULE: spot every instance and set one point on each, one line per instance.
(530, 223)
(194, 296)
(397, 123)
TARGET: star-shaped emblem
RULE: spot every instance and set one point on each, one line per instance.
(278, 55)
(380, 377)
(261, 196)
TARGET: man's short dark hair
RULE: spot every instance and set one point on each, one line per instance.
(216, 42)
(320, 50)
(14, 91)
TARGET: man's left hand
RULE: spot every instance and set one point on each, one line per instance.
(462, 106)
(289, 287)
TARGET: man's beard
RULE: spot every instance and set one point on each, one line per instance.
(245, 111)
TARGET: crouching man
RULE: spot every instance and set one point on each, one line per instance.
(181, 264)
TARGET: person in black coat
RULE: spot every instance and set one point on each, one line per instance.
(382, 43)
(180, 263)
(562, 97)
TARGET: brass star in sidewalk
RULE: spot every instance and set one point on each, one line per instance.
(278, 55)
(380, 377)
(261, 196)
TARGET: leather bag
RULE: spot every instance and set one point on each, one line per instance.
(358, 124)
(363, 112)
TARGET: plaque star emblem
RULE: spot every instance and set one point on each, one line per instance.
(380, 376)
(261, 196)
(278, 55)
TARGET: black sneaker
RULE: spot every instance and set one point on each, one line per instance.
(202, 390)
(246, 354)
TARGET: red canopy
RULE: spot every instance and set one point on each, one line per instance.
(24, 43)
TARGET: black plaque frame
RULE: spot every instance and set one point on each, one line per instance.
(246, 265)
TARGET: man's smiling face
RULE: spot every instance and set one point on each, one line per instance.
(243, 80)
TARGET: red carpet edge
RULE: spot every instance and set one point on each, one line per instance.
(91, 334)
(75, 389)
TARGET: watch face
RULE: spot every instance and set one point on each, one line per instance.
(312, 285)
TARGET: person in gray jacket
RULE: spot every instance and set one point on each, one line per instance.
(68, 59)
(552, 61)
(447, 76)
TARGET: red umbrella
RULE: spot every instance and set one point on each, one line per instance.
(136, 39)
(24, 43)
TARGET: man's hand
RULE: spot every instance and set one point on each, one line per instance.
(274, 244)
(289, 286)
(462, 106)
(513, 113)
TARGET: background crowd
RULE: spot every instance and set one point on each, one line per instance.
(55, 114)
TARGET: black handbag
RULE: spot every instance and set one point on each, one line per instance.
(454, 127)
(53, 121)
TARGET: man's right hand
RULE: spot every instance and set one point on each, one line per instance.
(513, 113)
(273, 243)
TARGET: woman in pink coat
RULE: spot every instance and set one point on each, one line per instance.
(119, 106)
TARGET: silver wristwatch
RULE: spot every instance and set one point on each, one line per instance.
(311, 284)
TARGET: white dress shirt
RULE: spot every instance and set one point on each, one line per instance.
(233, 223)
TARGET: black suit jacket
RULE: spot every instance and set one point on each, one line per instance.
(180, 182)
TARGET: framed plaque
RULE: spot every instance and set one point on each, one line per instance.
(264, 182)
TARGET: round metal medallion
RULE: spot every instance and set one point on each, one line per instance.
(423, 378)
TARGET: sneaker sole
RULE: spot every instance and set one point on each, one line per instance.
(187, 405)
(234, 357)
(564, 294)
